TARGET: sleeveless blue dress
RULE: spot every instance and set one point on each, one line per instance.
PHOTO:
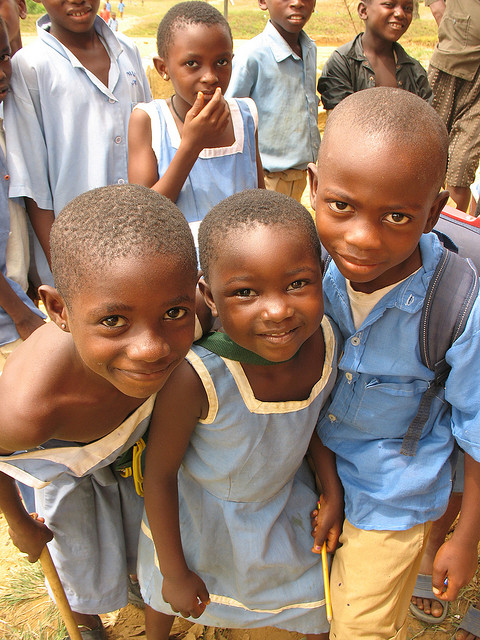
(245, 497)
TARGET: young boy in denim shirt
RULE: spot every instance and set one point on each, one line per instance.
(377, 197)
(277, 69)
(73, 90)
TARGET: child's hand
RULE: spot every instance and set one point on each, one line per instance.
(205, 122)
(31, 537)
(327, 521)
(455, 564)
(187, 596)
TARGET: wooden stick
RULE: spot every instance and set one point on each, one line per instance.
(59, 594)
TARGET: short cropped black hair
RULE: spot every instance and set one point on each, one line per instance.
(246, 210)
(113, 222)
(184, 14)
(386, 114)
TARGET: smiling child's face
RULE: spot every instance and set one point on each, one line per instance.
(133, 325)
(373, 201)
(387, 19)
(267, 290)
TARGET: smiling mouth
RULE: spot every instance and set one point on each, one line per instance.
(296, 18)
(78, 13)
(277, 337)
(147, 374)
(396, 25)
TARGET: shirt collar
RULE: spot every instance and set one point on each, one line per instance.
(280, 48)
(409, 296)
(114, 47)
(356, 52)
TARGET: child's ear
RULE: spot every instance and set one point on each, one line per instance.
(161, 66)
(55, 306)
(22, 9)
(362, 10)
(263, 5)
(207, 296)
(435, 210)
(313, 182)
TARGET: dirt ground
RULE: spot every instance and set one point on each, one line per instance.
(31, 619)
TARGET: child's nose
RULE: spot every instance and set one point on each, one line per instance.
(210, 76)
(148, 346)
(277, 309)
(362, 236)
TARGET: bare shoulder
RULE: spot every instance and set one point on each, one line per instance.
(30, 387)
(183, 396)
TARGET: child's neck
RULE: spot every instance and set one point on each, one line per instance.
(292, 39)
(379, 53)
(87, 48)
(292, 380)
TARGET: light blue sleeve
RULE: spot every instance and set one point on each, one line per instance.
(25, 137)
(244, 76)
(462, 389)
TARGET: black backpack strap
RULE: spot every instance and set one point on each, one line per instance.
(448, 302)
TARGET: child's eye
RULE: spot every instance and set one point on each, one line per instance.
(114, 322)
(191, 63)
(297, 284)
(223, 62)
(175, 313)
(397, 218)
(340, 207)
(244, 293)
(4, 57)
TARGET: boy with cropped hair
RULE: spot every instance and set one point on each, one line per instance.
(278, 67)
(89, 382)
(377, 197)
(374, 58)
(73, 90)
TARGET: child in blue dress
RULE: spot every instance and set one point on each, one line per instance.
(196, 148)
(234, 549)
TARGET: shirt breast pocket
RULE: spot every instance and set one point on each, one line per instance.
(386, 409)
(454, 33)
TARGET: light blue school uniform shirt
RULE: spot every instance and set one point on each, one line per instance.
(380, 383)
(283, 87)
(8, 331)
(66, 130)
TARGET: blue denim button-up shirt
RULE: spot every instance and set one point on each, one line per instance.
(380, 382)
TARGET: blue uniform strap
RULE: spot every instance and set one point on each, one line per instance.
(448, 302)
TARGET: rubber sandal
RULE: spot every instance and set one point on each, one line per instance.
(134, 594)
(423, 589)
(92, 634)
(471, 622)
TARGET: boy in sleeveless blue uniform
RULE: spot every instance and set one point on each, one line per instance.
(377, 197)
(73, 90)
(123, 316)
(237, 417)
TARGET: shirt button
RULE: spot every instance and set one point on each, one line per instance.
(371, 78)
(6, 176)
(120, 181)
(118, 139)
(111, 100)
(331, 417)
(355, 341)
(400, 83)
(348, 376)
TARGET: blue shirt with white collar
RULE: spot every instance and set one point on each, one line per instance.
(380, 382)
(283, 87)
(66, 130)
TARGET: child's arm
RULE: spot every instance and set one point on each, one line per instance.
(260, 175)
(178, 407)
(438, 9)
(203, 124)
(25, 320)
(328, 519)
(42, 221)
(457, 558)
(28, 533)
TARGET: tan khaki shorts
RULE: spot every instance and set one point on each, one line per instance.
(291, 182)
(372, 581)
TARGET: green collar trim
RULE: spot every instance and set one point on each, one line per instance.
(221, 344)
